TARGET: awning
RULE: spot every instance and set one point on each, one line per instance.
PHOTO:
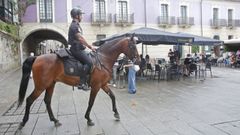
(205, 41)
(232, 42)
(150, 36)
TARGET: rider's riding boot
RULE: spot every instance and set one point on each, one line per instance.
(83, 85)
(83, 78)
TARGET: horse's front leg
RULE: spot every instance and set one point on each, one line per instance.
(112, 96)
(90, 104)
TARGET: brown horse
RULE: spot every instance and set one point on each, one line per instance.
(48, 69)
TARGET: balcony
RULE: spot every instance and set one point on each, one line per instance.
(218, 23)
(233, 23)
(124, 20)
(185, 21)
(101, 19)
(6, 15)
(166, 21)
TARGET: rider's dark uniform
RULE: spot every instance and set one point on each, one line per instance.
(78, 50)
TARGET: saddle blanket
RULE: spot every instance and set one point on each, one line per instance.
(72, 66)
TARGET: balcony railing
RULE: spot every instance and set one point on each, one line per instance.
(218, 23)
(101, 19)
(166, 21)
(46, 20)
(124, 20)
(6, 15)
(231, 23)
(185, 21)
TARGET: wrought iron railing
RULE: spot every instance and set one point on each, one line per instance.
(101, 18)
(185, 21)
(166, 20)
(121, 19)
(231, 23)
(218, 23)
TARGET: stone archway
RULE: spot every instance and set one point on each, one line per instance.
(31, 41)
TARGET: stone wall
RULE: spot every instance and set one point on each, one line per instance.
(9, 53)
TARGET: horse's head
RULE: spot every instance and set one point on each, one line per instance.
(131, 51)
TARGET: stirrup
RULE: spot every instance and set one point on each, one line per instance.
(83, 87)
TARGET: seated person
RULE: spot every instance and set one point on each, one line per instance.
(238, 59)
(187, 62)
(142, 65)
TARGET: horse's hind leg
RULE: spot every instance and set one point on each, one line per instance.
(112, 96)
(35, 94)
(47, 100)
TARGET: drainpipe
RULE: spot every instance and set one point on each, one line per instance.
(145, 22)
(201, 22)
(145, 13)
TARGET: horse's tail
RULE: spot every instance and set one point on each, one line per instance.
(26, 71)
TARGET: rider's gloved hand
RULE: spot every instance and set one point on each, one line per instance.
(93, 48)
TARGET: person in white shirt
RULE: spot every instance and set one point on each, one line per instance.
(131, 78)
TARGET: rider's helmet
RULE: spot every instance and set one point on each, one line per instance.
(76, 11)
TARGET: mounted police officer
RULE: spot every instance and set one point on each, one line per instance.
(78, 46)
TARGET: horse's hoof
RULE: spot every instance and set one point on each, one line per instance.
(21, 125)
(90, 123)
(57, 124)
(117, 116)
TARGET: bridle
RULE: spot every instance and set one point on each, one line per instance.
(132, 48)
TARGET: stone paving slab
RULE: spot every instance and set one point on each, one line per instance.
(186, 107)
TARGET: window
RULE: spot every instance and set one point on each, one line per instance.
(45, 10)
(183, 18)
(215, 13)
(6, 10)
(100, 10)
(230, 36)
(230, 14)
(184, 11)
(215, 21)
(101, 36)
(230, 17)
(1, 2)
(9, 7)
(123, 10)
(164, 12)
(216, 37)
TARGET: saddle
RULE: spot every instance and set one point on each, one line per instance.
(72, 66)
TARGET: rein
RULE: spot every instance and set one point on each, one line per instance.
(101, 64)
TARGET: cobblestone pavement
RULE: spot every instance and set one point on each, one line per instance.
(186, 107)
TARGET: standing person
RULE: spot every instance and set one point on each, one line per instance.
(176, 56)
(187, 62)
(31, 54)
(131, 78)
(171, 56)
(78, 46)
(203, 57)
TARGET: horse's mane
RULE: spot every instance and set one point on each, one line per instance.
(110, 43)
